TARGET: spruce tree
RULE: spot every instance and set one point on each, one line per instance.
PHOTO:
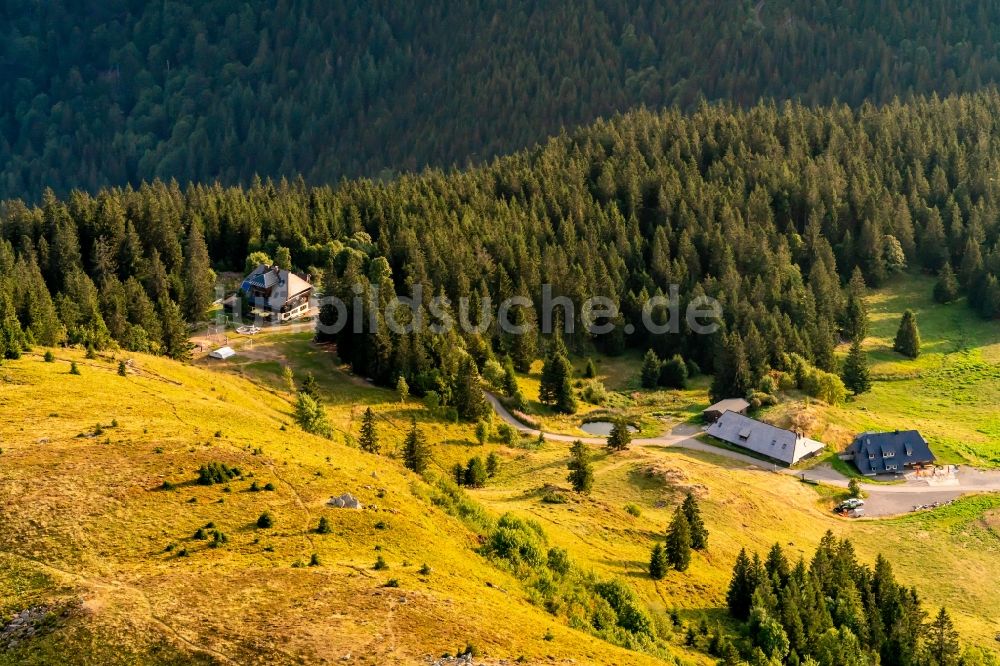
(732, 371)
(590, 370)
(556, 388)
(657, 562)
(674, 373)
(741, 587)
(620, 437)
(855, 318)
(581, 471)
(368, 441)
(475, 473)
(650, 374)
(941, 640)
(198, 278)
(416, 452)
(908, 337)
(678, 546)
(311, 416)
(946, 287)
(176, 344)
(699, 534)
(856, 373)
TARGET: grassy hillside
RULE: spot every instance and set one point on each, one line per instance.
(85, 521)
(86, 524)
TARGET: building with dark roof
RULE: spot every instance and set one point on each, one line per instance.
(763, 438)
(277, 293)
(876, 453)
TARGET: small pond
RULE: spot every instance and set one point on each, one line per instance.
(602, 428)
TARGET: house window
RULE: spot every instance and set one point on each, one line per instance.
(890, 454)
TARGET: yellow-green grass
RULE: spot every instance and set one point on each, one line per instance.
(85, 519)
(949, 393)
(744, 507)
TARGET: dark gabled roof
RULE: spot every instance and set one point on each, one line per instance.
(882, 452)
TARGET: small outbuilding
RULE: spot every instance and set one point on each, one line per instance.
(223, 353)
(894, 452)
(737, 405)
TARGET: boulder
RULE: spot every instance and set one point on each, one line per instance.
(345, 501)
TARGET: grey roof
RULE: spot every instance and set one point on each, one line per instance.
(763, 438)
(888, 452)
(729, 405)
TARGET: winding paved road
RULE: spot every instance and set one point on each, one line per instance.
(883, 500)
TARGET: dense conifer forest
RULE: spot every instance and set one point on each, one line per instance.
(771, 210)
(124, 91)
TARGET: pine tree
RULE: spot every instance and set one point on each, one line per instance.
(650, 370)
(199, 279)
(946, 287)
(368, 441)
(678, 546)
(467, 394)
(620, 437)
(941, 640)
(475, 473)
(908, 337)
(699, 534)
(856, 318)
(732, 371)
(657, 562)
(590, 370)
(856, 373)
(176, 344)
(581, 471)
(556, 389)
(311, 416)
(416, 453)
(741, 587)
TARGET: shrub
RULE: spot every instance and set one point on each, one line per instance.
(265, 521)
(214, 472)
(516, 541)
(508, 434)
(122, 369)
(73, 369)
(324, 526)
(167, 486)
(424, 569)
(629, 612)
(49, 356)
(553, 498)
(218, 539)
(380, 564)
(633, 510)
(392, 582)
(558, 561)
(269, 486)
(595, 393)
(200, 534)
(254, 487)
(314, 560)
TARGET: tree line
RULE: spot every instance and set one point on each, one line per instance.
(768, 210)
